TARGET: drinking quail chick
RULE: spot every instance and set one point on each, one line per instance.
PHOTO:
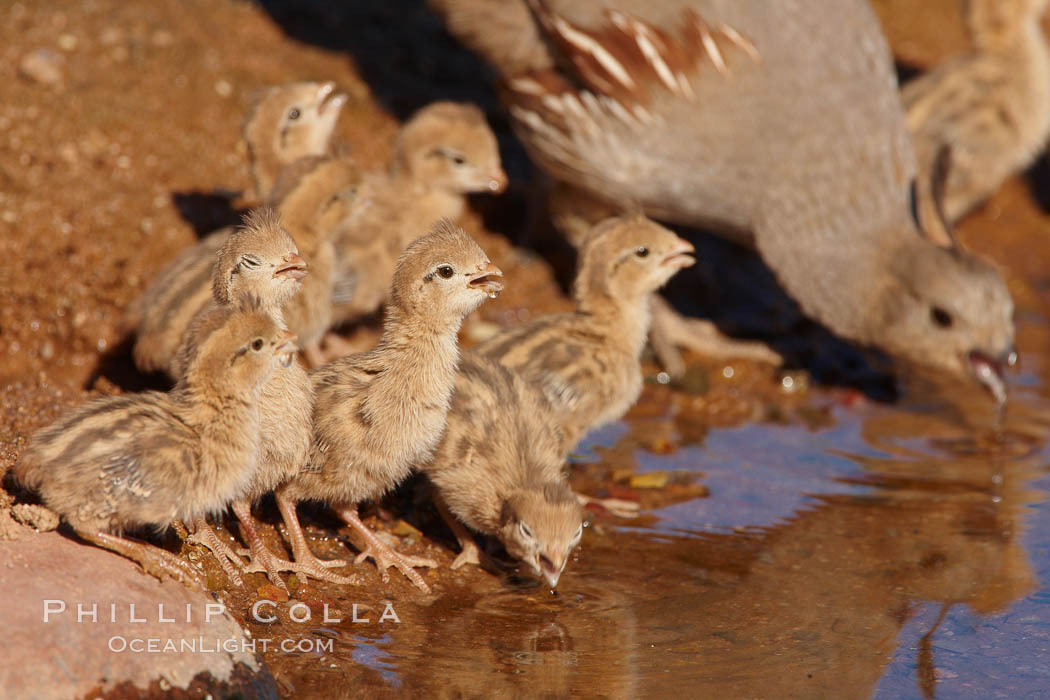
(380, 413)
(444, 152)
(498, 468)
(289, 122)
(730, 115)
(587, 363)
(144, 460)
(258, 259)
(991, 106)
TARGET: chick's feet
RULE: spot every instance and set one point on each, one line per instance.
(264, 561)
(469, 552)
(205, 536)
(670, 331)
(383, 555)
(155, 561)
(305, 562)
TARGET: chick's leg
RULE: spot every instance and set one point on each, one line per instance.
(264, 561)
(469, 552)
(231, 564)
(670, 330)
(155, 561)
(384, 556)
(305, 561)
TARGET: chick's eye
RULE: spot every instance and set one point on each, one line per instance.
(525, 529)
(257, 344)
(446, 271)
(249, 261)
(642, 252)
(941, 317)
(458, 159)
(294, 114)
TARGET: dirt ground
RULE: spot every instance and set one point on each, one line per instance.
(125, 150)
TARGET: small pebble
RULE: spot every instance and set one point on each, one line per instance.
(43, 66)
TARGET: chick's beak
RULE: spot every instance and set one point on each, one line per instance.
(497, 181)
(990, 370)
(551, 568)
(334, 103)
(286, 343)
(681, 255)
(488, 279)
(294, 267)
(324, 91)
(285, 349)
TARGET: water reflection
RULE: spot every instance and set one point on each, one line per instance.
(879, 554)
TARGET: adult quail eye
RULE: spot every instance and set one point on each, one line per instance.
(642, 252)
(446, 271)
(941, 317)
(293, 113)
(257, 344)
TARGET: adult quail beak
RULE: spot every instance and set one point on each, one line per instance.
(681, 256)
(551, 569)
(488, 279)
(294, 268)
(497, 181)
(989, 371)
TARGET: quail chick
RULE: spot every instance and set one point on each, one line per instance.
(289, 122)
(313, 195)
(322, 193)
(258, 259)
(380, 413)
(286, 398)
(730, 116)
(587, 363)
(498, 469)
(146, 459)
(444, 152)
(991, 106)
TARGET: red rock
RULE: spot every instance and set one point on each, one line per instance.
(272, 592)
(58, 657)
